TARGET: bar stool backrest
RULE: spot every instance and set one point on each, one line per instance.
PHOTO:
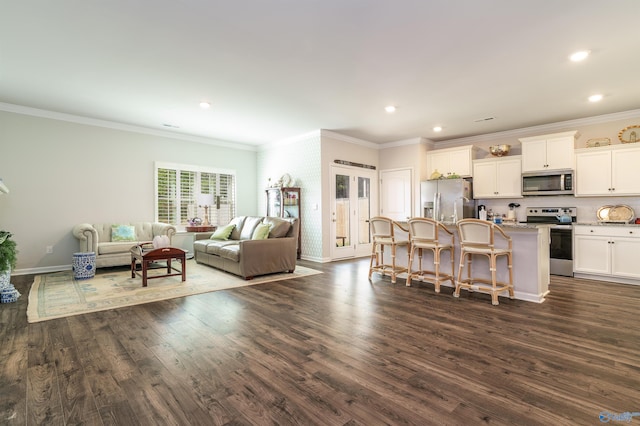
(476, 232)
(423, 229)
(381, 227)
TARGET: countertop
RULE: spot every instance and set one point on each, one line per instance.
(506, 224)
(596, 223)
(519, 225)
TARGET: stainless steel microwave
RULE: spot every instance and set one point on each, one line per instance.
(551, 182)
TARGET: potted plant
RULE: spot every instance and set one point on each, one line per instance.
(8, 256)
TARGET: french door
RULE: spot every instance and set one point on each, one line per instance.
(353, 199)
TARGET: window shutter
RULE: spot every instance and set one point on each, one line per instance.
(177, 192)
(166, 193)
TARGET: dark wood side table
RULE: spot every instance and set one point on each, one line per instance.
(146, 254)
(201, 228)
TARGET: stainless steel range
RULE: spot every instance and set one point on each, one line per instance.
(561, 249)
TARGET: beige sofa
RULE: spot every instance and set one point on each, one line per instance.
(97, 238)
(243, 256)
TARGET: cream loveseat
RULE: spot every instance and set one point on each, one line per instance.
(98, 238)
(243, 255)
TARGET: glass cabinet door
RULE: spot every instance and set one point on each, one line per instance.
(274, 202)
(291, 203)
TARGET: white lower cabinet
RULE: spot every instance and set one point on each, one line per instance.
(607, 251)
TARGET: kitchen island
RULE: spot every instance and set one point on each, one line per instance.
(530, 259)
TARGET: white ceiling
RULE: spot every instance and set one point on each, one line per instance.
(275, 69)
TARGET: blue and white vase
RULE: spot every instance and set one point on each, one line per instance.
(84, 265)
(5, 278)
(8, 292)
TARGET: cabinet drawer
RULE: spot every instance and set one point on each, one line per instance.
(608, 231)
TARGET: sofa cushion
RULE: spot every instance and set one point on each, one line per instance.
(231, 252)
(215, 247)
(115, 247)
(261, 232)
(224, 232)
(250, 223)
(279, 227)
(123, 233)
(239, 222)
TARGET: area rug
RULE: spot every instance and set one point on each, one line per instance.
(59, 295)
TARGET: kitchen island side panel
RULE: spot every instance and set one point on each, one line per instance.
(530, 261)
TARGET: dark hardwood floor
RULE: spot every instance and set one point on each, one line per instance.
(330, 349)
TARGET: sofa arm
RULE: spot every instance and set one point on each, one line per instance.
(87, 236)
(158, 228)
(267, 256)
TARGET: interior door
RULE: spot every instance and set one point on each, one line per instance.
(395, 186)
(353, 198)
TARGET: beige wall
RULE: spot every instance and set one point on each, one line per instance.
(61, 173)
(411, 156)
(334, 148)
(594, 127)
(300, 158)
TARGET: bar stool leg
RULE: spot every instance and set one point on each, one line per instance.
(393, 264)
(452, 261)
(510, 265)
(436, 262)
(456, 293)
(374, 255)
(494, 292)
(469, 263)
(410, 270)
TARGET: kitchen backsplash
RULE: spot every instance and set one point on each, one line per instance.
(587, 206)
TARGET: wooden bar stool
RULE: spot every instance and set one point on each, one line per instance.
(426, 234)
(383, 234)
(477, 237)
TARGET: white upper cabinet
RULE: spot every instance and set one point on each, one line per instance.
(449, 161)
(497, 178)
(610, 170)
(548, 152)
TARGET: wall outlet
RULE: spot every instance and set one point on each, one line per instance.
(49, 249)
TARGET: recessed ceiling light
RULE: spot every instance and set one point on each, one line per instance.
(390, 109)
(595, 98)
(205, 105)
(579, 56)
(437, 129)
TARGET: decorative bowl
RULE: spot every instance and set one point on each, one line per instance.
(499, 150)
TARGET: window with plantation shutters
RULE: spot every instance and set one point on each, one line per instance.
(179, 186)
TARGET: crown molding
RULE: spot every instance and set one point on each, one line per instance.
(348, 139)
(541, 129)
(315, 134)
(428, 143)
(52, 115)
(404, 142)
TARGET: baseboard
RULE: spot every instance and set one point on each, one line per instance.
(607, 278)
(42, 270)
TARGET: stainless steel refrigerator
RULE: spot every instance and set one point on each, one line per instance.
(447, 200)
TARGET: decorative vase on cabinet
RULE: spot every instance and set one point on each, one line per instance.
(285, 202)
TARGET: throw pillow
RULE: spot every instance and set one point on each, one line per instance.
(123, 233)
(261, 232)
(223, 232)
(279, 227)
